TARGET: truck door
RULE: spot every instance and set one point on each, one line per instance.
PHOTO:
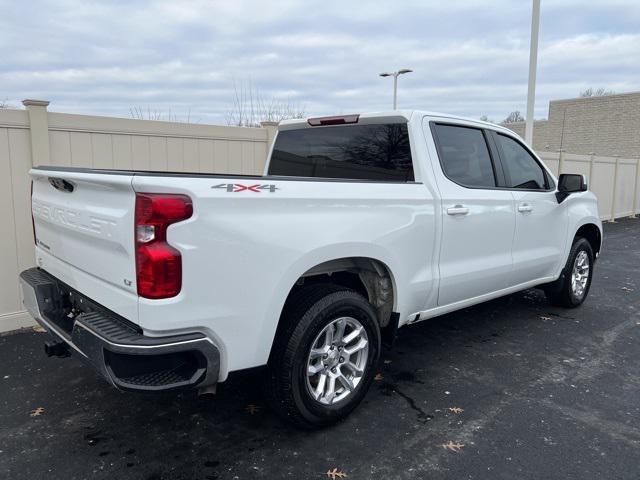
(541, 222)
(478, 220)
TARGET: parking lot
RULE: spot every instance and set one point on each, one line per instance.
(509, 389)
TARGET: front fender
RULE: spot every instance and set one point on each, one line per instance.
(582, 210)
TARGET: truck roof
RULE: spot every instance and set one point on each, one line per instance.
(393, 115)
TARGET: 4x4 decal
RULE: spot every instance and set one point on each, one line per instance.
(238, 187)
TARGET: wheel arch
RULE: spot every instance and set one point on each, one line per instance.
(371, 265)
(592, 233)
(369, 276)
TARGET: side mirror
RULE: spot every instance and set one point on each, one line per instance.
(569, 183)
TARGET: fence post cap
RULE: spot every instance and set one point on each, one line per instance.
(28, 102)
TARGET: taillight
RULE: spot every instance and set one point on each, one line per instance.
(158, 264)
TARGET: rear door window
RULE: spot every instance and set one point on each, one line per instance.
(464, 156)
(360, 152)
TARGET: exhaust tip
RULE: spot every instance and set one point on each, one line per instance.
(56, 349)
(207, 393)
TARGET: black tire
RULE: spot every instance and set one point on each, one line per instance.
(560, 293)
(307, 313)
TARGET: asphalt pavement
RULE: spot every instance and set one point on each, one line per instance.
(510, 389)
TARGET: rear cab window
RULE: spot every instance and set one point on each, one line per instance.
(376, 152)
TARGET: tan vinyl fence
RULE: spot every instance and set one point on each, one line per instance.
(614, 180)
(37, 137)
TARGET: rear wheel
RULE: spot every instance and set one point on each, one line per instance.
(324, 357)
(572, 288)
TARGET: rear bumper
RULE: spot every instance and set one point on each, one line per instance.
(117, 348)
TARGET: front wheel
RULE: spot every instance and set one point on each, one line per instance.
(324, 357)
(572, 288)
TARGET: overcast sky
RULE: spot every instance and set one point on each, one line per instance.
(470, 57)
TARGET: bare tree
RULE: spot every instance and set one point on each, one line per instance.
(250, 107)
(140, 113)
(4, 104)
(513, 117)
(598, 92)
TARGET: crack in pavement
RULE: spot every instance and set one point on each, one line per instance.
(423, 416)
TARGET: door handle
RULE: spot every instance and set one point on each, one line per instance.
(457, 210)
(524, 208)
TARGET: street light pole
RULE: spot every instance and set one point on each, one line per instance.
(395, 82)
(533, 61)
(395, 91)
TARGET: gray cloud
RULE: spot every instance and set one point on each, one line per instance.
(469, 57)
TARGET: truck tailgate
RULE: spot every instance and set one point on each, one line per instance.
(84, 227)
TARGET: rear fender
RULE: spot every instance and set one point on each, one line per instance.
(311, 260)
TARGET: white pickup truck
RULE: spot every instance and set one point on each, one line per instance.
(360, 224)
